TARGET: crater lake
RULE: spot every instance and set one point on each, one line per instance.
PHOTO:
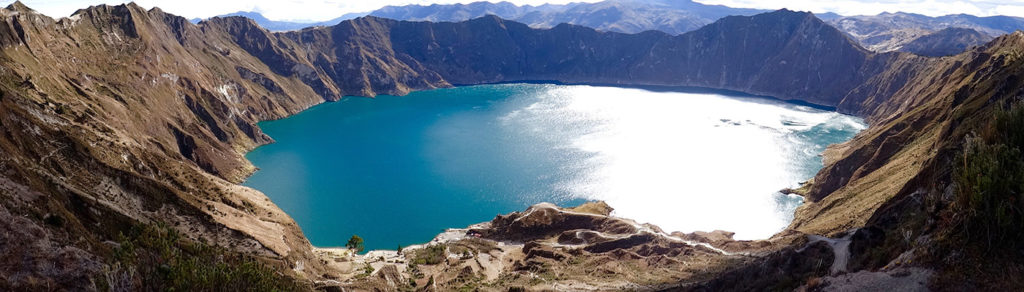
(397, 170)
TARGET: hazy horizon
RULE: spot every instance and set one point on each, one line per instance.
(320, 10)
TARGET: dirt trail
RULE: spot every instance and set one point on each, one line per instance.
(840, 247)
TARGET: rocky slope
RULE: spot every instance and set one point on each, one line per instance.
(894, 183)
(118, 118)
(946, 42)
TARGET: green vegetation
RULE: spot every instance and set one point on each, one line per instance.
(157, 258)
(989, 192)
(983, 249)
(367, 271)
(431, 255)
(989, 179)
(472, 245)
(414, 270)
(355, 243)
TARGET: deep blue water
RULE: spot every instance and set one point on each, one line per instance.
(398, 170)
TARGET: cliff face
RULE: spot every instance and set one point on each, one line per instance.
(785, 54)
(119, 117)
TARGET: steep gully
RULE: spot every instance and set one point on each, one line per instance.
(119, 115)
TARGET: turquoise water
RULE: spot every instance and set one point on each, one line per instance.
(398, 170)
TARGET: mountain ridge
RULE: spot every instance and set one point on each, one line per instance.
(565, 63)
(882, 33)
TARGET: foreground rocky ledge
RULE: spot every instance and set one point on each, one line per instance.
(584, 248)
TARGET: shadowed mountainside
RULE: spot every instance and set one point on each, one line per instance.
(784, 54)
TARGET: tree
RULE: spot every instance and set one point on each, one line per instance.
(355, 243)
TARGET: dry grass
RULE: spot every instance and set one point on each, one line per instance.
(596, 208)
(852, 205)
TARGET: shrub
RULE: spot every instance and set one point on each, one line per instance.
(157, 258)
(430, 255)
(1007, 126)
(989, 179)
(367, 269)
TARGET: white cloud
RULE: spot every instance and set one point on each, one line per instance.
(1017, 10)
(327, 9)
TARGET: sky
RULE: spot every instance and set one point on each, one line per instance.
(318, 10)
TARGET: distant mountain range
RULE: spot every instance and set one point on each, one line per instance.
(627, 16)
(890, 31)
(274, 25)
(613, 15)
(882, 33)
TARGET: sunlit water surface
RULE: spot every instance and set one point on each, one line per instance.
(398, 170)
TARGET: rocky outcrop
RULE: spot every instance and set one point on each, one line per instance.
(550, 248)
